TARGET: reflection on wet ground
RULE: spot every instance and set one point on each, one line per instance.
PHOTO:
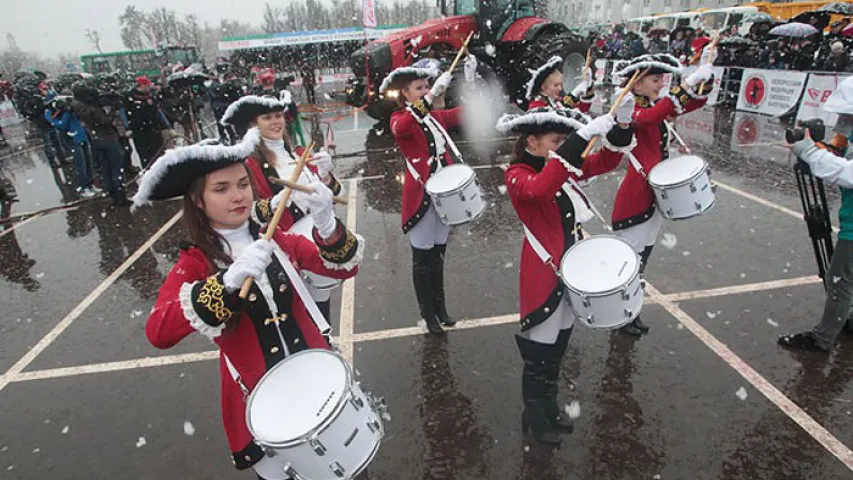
(663, 407)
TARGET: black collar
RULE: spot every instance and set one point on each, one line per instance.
(538, 163)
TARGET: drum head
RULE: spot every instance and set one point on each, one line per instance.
(676, 170)
(449, 178)
(296, 396)
(599, 265)
(304, 227)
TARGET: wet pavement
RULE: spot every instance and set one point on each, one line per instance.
(85, 396)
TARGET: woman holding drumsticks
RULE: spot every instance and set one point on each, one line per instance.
(421, 133)
(635, 218)
(274, 158)
(545, 88)
(200, 293)
(545, 169)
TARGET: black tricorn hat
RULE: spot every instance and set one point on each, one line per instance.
(538, 76)
(246, 109)
(542, 120)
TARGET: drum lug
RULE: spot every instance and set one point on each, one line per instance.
(357, 402)
(590, 319)
(468, 212)
(663, 194)
(436, 201)
(318, 447)
(714, 188)
(697, 205)
(373, 426)
(289, 471)
(337, 469)
(669, 212)
(462, 196)
(628, 313)
(625, 295)
(692, 188)
(586, 301)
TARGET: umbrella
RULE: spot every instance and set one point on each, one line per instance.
(758, 17)
(657, 32)
(187, 79)
(736, 41)
(807, 17)
(841, 8)
(794, 29)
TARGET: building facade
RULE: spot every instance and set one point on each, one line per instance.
(584, 12)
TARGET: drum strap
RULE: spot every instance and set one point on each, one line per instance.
(589, 203)
(676, 136)
(302, 290)
(636, 164)
(540, 250)
(236, 376)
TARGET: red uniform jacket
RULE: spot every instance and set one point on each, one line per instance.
(193, 299)
(534, 187)
(568, 101)
(261, 211)
(635, 200)
(418, 147)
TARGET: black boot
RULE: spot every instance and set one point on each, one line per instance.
(641, 325)
(422, 273)
(552, 409)
(440, 306)
(632, 328)
(534, 378)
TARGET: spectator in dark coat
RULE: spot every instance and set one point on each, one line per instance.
(837, 60)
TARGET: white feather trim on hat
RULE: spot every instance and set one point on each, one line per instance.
(175, 156)
(285, 97)
(232, 109)
(508, 122)
(420, 72)
(663, 61)
(551, 63)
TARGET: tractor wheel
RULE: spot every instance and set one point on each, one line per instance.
(537, 51)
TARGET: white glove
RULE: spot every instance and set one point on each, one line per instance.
(320, 206)
(625, 110)
(598, 127)
(702, 74)
(470, 68)
(275, 200)
(128, 133)
(323, 161)
(580, 89)
(586, 76)
(708, 56)
(440, 85)
(251, 263)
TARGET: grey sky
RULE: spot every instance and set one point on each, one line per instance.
(50, 27)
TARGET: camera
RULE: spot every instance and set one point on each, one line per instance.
(815, 126)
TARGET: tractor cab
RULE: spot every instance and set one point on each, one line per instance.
(494, 17)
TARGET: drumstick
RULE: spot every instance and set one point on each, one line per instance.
(676, 135)
(247, 284)
(619, 99)
(459, 55)
(710, 58)
(588, 57)
(303, 188)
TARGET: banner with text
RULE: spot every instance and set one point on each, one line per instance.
(818, 90)
(8, 115)
(368, 13)
(771, 92)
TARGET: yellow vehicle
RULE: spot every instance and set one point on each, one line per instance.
(784, 11)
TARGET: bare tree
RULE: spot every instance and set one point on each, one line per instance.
(133, 23)
(95, 39)
(273, 19)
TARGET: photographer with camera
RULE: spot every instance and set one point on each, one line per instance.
(144, 119)
(830, 162)
(59, 114)
(105, 144)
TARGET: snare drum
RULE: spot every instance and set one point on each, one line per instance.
(602, 279)
(305, 228)
(309, 409)
(456, 194)
(682, 187)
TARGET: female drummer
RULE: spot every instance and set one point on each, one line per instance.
(545, 88)
(635, 218)
(421, 133)
(201, 291)
(537, 185)
(274, 158)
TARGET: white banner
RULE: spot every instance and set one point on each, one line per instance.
(758, 134)
(368, 13)
(771, 92)
(301, 38)
(697, 126)
(8, 115)
(818, 89)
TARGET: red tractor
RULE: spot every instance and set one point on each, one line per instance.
(509, 40)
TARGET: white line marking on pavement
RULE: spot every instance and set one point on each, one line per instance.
(746, 288)
(788, 407)
(348, 292)
(766, 203)
(19, 224)
(411, 331)
(118, 366)
(34, 352)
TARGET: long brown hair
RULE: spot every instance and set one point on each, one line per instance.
(520, 146)
(201, 232)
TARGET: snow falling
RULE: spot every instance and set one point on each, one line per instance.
(669, 241)
(189, 429)
(141, 442)
(573, 409)
(741, 393)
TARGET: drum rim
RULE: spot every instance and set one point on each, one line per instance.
(455, 191)
(297, 476)
(682, 183)
(319, 428)
(610, 292)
